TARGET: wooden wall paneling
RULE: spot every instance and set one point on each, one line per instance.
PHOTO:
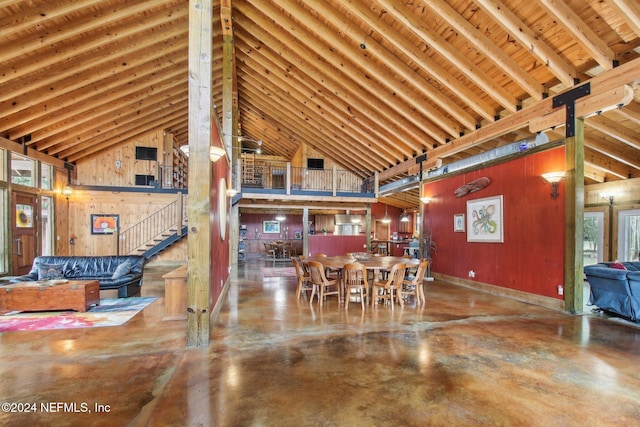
(102, 169)
(131, 208)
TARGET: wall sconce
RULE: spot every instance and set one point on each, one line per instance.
(608, 196)
(67, 191)
(553, 178)
(231, 192)
(425, 201)
(215, 153)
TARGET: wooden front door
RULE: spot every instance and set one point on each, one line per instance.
(25, 225)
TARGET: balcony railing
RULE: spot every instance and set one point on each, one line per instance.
(276, 175)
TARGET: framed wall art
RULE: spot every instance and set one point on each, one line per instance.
(24, 216)
(104, 223)
(272, 227)
(458, 223)
(484, 220)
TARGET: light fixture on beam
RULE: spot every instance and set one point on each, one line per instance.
(554, 179)
(67, 191)
(425, 202)
(608, 195)
(215, 153)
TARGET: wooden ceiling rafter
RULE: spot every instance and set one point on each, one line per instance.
(77, 96)
(318, 127)
(316, 105)
(436, 95)
(335, 106)
(499, 94)
(343, 64)
(122, 47)
(121, 97)
(321, 75)
(501, 14)
(405, 73)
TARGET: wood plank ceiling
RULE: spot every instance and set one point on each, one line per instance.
(367, 83)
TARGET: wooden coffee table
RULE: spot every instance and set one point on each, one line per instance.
(50, 295)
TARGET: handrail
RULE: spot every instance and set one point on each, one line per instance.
(166, 221)
(274, 174)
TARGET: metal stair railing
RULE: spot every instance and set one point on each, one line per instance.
(158, 226)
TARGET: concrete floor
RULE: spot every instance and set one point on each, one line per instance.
(467, 358)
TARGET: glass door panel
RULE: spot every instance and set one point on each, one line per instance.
(628, 235)
(593, 248)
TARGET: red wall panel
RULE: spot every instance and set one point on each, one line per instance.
(531, 258)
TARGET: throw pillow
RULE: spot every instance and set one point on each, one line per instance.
(49, 271)
(617, 265)
(121, 270)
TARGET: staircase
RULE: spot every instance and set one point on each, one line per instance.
(157, 232)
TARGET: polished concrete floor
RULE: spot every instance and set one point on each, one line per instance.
(467, 358)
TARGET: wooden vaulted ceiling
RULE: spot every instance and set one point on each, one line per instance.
(370, 84)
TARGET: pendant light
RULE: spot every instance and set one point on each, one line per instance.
(404, 217)
(386, 219)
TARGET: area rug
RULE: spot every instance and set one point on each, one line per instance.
(279, 272)
(110, 312)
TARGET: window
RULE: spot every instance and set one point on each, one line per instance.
(146, 153)
(593, 249)
(628, 235)
(46, 176)
(3, 171)
(47, 224)
(315, 163)
(23, 170)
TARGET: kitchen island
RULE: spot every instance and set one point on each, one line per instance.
(332, 244)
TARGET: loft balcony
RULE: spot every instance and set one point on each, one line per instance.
(258, 177)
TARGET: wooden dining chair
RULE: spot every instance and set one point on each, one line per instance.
(414, 285)
(321, 284)
(269, 251)
(304, 278)
(354, 276)
(392, 284)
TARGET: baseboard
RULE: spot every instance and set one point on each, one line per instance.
(547, 302)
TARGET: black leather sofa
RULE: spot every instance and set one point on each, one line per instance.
(123, 273)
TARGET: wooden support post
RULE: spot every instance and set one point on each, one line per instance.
(334, 181)
(368, 226)
(199, 206)
(305, 231)
(574, 220)
(179, 208)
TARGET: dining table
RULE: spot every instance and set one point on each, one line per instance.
(374, 263)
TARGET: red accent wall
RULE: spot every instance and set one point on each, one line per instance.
(220, 260)
(531, 259)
